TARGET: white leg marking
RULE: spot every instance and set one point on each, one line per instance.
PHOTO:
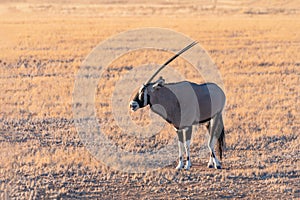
(217, 164)
(211, 149)
(180, 163)
(187, 151)
(210, 162)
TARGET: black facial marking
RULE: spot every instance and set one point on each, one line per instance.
(139, 97)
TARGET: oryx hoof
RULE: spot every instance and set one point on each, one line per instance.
(210, 166)
(188, 165)
(180, 165)
(218, 167)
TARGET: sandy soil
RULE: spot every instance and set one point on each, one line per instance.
(255, 45)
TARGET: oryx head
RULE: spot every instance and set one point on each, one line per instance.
(142, 97)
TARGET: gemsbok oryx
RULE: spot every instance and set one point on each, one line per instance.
(184, 104)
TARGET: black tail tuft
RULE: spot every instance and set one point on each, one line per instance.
(221, 143)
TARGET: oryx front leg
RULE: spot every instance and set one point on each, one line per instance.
(213, 127)
(188, 136)
(180, 147)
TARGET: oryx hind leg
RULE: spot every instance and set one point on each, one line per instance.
(213, 128)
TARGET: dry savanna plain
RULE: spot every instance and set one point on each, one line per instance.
(254, 44)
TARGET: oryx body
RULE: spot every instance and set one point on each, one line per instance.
(184, 104)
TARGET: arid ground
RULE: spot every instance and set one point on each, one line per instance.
(254, 44)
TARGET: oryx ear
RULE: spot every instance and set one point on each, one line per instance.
(159, 83)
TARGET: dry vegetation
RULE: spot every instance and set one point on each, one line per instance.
(255, 45)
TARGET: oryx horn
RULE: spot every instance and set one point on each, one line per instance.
(170, 60)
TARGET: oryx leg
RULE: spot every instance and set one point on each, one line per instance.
(180, 147)
(187, 143)
(213, 128)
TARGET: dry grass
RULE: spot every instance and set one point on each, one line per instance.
(255, 46)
